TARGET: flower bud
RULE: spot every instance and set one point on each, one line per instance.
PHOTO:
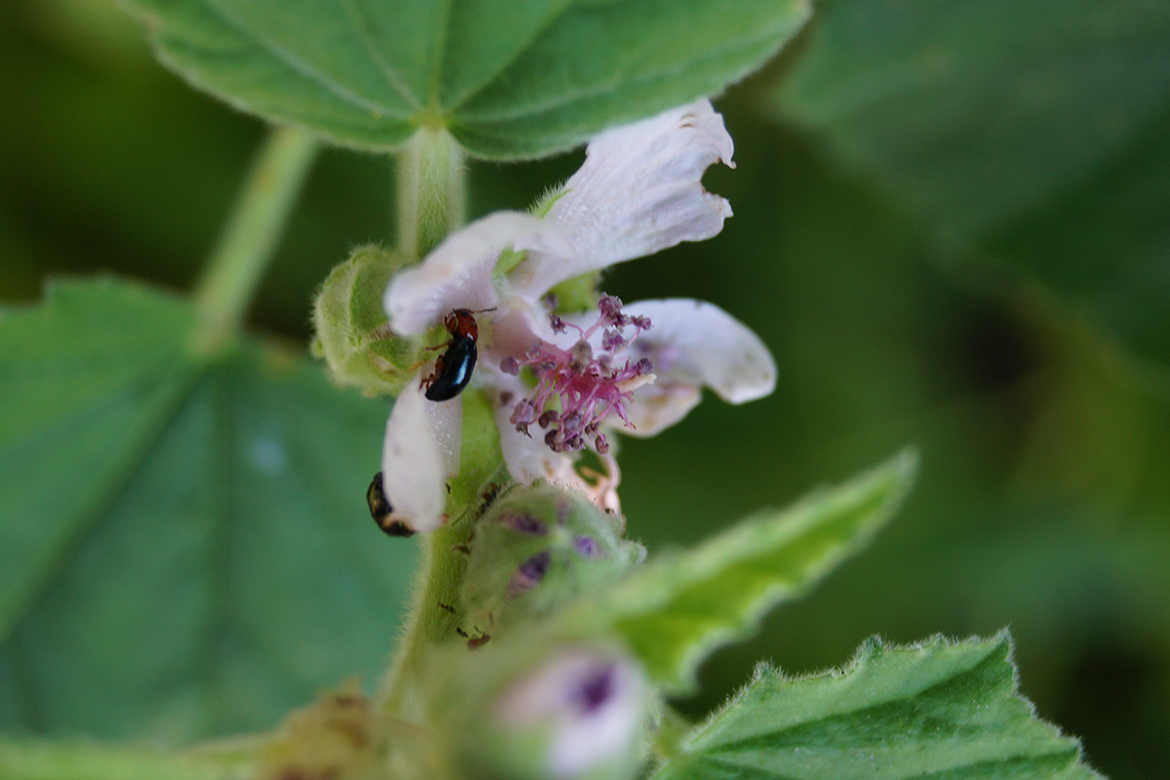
(584, 711)
(352, 334)
(533, 708)
(534, 550)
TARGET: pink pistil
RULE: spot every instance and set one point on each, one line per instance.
(589, 384)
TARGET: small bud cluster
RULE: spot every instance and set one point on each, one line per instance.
(588, 384)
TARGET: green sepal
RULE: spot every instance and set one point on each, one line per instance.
(535, 550)
(509, 259)
(352, 334)
(938, 709)
(545, 202)
(677, 609)
(577, 294)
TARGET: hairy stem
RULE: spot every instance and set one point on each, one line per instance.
(250, 236)
(430, 624)
(431, 190)
(35, 758)
(431, 195)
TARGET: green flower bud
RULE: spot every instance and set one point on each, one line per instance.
(352, 334)
(533, 551)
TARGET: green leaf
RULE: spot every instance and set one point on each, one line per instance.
(1104, 245)
(184, 544)
(509, 79)
(40, 760)
(1034, 133)
(674, 611)
(937, 710)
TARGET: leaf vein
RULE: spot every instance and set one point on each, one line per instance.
(300, 66)
(492, 75)
(389, 73)
(87, 522)
(566, 98)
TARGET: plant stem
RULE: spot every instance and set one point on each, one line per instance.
(430, 199)
(250, 236)
(432, 190)
(429, 625)
(36, 758)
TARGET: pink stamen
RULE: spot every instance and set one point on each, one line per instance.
(589, 384)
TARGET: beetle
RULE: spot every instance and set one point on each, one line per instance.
(383, 512)
(453, 368)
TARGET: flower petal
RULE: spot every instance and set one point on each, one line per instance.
(458, 273)
(656, 408)
(420, 450)
(695, 344)
(447, 426)
(517, 329)
(638, 192)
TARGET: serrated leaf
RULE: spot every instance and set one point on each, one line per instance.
(1033, 133)
(509, 79)
(184, 544)
(936, 710)
(679, 607)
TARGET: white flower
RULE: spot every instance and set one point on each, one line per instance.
(640, 367)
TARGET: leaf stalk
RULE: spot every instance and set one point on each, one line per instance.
(432, 190)
(250, 237)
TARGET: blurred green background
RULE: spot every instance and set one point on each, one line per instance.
(1044, 497)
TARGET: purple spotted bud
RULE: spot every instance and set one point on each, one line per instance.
(523, 523)
(525, 708)
(587, 707)
(510, 365)
(529, 574)
(534, 550)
